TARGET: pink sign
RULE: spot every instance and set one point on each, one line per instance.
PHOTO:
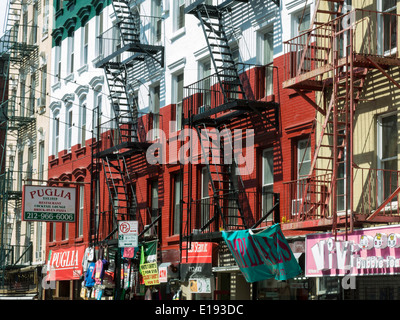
(372, 251)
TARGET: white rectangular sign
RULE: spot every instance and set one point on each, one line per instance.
(128, 234)
(55, 204)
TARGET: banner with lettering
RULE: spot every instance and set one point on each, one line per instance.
(197, 260)
(262, 255)
(65, 264)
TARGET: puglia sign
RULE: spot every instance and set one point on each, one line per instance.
(372, 251)
(53, 204)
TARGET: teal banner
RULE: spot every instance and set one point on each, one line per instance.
(262, 255)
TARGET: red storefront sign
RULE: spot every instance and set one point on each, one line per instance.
(198, 259)
(65, 264)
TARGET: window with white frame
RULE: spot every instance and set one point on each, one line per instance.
(176, 214)
(155, 108)
(82, 121)
(68, 127)
(41, 160)
(267, 181)
(303, 165)
(46, 8)
(97, 112)
(179, 8)
(301, 23)
(81, 209)
(71, 49)
(43, 85)
(85, 44)
(267, 56)
(178, 88)
(205, 198)
(204, 76)
(57, 61)
(387, 26)
(387, 146)
(56, 132)
(157, 24)
(99, 34)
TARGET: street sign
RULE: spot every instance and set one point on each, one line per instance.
(53, 204)
(128, 234)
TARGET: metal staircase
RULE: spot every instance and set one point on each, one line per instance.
(125, 52)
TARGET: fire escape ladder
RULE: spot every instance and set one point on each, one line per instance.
(128, 21)
(122, 195)
(212, 22)
(220, 165)
(333, 10)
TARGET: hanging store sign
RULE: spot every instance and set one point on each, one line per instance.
(128, 234)
(65, 264)
(150, 273)
(262, 255)
(53, 204)
(372, 251)
(197, 260)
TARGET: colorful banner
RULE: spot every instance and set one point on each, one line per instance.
(262, 255)
(65, 264)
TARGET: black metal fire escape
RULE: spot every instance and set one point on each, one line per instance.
(233, 104)
(129, 137)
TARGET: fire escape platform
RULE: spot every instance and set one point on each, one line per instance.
(306, 80)
(138, 48)
(325, 224)
(124, 149)
(238, 108)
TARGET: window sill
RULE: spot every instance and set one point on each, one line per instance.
(178, 33)
(69, 78)
(83, 69)
(56, 85)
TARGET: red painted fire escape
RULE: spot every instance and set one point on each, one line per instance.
(332, 59)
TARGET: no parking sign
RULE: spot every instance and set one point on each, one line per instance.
(128, 234)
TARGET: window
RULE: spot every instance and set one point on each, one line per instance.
(387, 22)
(68, 128)
(99, 34)
(387, 155)
(300, 23)
(39, 232)
(57, 61)
(71, 40)
(341, 179)
(205, 198)
(35, 23)
(155, 103)
(25, 28)
(31, 110)
(81, 210)
(43, 88)
(23, 93)
(204, 76)
(154, 202)
(85, 42)
(29, 169)
(179, 14)
(98, 101)
(178, 100)
(20, 168)
(157, 20)
(177, 181)
(45, 27)
(303, 158)
(41, 160)
(267, 182)
(56, 133)
(82, 122)
(267, 55)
